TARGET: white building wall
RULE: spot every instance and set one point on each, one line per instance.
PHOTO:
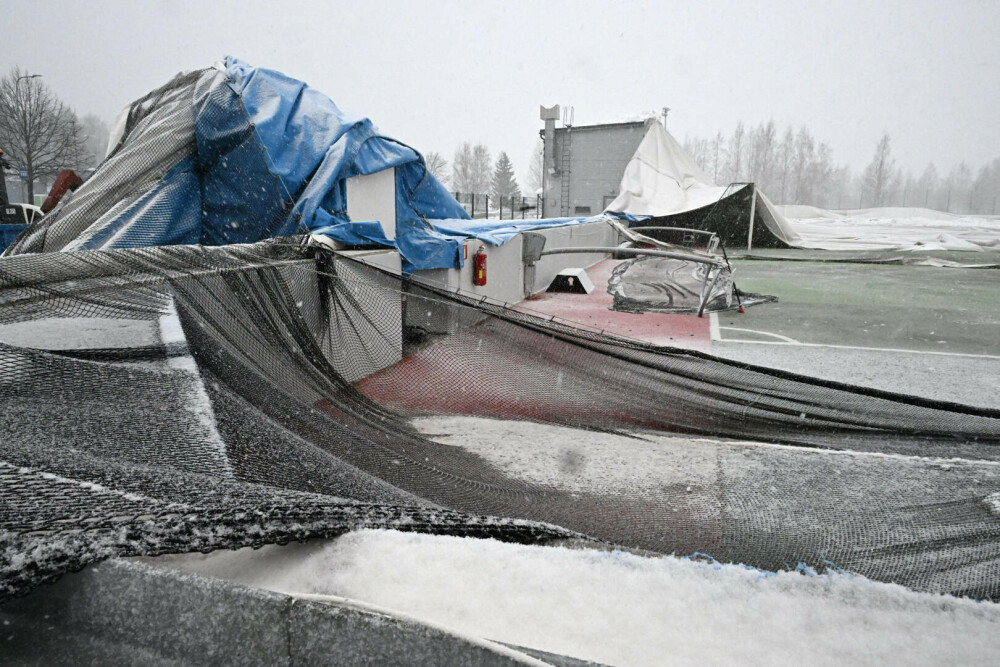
(373, 197)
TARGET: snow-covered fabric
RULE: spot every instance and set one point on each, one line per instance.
(892, 228)
(662, 179)
(237, 154)
(619, 608)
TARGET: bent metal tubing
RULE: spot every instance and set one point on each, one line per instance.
(616, 251)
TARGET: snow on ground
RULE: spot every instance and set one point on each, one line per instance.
(78, 333)
(972, 380)
(892, 228)
(574, 459)
(172, 337)
(623, 609)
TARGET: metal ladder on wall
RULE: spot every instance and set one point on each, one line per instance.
(567, 146)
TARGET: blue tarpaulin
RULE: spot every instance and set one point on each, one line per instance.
(239, 154)
(312, 147)
(268, 156)
(8, 233)
(438, 248)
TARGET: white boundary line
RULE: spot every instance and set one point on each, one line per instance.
(784, 339)
(858, 347)
(713, 327)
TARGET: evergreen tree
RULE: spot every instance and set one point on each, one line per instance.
(504, 184)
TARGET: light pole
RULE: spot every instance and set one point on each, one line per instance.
(17, 86)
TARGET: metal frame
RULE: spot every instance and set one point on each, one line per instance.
(713, 240)
(713, 272)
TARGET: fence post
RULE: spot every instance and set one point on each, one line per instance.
(486, 211)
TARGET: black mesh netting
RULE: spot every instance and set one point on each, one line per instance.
(185, 398)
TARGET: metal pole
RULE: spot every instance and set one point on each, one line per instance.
(472, 195)
(618, 251)
(753, 211)
(486, 211)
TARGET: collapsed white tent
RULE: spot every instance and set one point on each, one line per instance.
(892, 228)
(663, 180)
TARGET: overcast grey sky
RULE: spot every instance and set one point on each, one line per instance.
(433, 74)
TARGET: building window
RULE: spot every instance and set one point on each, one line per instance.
(581, 210)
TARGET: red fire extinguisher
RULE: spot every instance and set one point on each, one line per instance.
(479, 267)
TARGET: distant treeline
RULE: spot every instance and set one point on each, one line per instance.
(473, 171)
(794, 168)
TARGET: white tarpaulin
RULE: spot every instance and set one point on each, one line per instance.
(892, 229)
(662, 179)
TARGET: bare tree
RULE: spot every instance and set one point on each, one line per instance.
(840, 187)
(927, 187)
(878, 178)
(793, 165)
(96, 135)
(717, 155)
(736, 149)
(482, 169)
(762, 152)
(786, 153)
(437, 165)
(987, 188)
(820, 176)
(534, 179)
(461, 172)
(959, 186)
(805, 148)
(699, 150)
(37, 131)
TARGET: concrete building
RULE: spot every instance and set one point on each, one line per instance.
(583, 165)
